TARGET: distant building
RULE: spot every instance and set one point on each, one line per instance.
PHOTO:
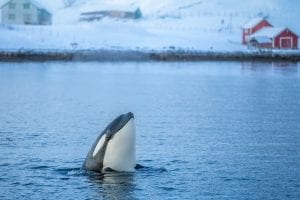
(276, 38)
(259, 33)
(253, 26)
(24, 12)
(121, 13)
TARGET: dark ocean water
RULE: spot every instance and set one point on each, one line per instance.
(205, 130)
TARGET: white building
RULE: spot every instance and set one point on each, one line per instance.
(24, 12)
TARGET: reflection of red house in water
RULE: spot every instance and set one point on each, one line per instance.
(261, 34)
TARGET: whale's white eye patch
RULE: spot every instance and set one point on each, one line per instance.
(99, 145)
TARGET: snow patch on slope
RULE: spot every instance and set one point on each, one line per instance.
(213, 25)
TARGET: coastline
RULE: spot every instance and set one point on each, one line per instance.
(107, 55)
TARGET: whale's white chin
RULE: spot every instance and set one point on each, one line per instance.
(120, 151)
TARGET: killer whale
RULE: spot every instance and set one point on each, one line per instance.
(114, 149)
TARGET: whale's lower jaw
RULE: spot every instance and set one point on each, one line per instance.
(117, 169)
(120, 151)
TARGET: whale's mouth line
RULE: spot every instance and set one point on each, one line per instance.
(119, 123)
(113, 131)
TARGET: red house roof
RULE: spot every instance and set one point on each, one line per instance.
(270, 32)
(253, 22)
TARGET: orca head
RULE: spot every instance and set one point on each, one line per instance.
(119, 123)
(119, 141)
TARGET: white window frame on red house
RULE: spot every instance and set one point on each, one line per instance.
(284, 38)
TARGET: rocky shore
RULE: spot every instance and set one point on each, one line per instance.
(140, 55)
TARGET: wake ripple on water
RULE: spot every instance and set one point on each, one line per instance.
(114, 177)
(69, 171)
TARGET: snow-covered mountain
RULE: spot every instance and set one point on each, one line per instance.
(188, 8)
(190, 24)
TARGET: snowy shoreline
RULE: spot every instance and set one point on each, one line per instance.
(104, 55)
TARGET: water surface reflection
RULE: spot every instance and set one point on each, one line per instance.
(113, 186)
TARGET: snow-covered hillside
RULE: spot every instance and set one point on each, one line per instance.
(189, 24)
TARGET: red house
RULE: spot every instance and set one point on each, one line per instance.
(276, 38)
(253, 26)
